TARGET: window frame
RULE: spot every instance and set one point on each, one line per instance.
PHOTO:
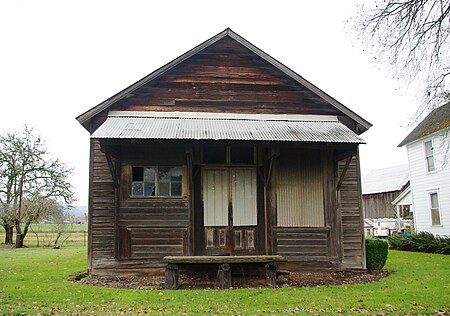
(156, 183)
(437, 209)
(431, 156)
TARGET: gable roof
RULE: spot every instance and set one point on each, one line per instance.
(88, 115)
(435, 121)
(385, 180)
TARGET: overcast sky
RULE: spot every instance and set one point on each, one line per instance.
(59, 58)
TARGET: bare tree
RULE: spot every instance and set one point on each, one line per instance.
(412, 36)
(59, 218)
(31, 181)
(6, 222)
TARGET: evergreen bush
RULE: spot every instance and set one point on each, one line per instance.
(376, 253)
(421, 242)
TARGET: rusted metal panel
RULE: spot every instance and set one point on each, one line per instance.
(195, 126)
(299, 182)
(215, 197)
(243, 191)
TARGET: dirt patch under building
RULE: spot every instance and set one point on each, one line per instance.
(286, 279)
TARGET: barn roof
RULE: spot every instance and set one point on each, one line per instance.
(435, 121)
(224, 126)
(385, 180)
(85, 118)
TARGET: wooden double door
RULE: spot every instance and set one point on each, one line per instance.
(229, 196)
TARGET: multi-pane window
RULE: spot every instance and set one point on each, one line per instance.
(156, 181)
(435, 216)
(429, 156)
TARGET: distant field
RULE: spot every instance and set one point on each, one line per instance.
(53, 227)
(45, 235)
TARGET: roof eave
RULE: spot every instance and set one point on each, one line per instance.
(365, 125)
(87, 116)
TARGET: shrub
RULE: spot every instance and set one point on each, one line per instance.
(421, 242)
(376, 253)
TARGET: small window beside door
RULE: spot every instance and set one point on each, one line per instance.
(158, 181)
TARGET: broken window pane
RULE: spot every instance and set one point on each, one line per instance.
(149, 181)
(137, 189)
(429, 155)
(156, 181)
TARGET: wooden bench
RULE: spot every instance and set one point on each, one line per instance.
(224, 273)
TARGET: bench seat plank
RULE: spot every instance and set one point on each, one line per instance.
(224, 259)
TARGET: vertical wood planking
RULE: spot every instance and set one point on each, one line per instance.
(244, 196)
(215, 197)
(300, 189)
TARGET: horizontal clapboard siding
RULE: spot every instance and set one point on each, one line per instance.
(157, 228)
(351, 215)
(140, 213)
(155, 243)
(226, 77)
(102, 210)
(301, 243)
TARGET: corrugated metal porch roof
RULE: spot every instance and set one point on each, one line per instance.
(225, 126)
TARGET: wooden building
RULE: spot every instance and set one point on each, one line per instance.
(224, 151)
(380, 188)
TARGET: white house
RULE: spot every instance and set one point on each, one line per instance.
(428, 147)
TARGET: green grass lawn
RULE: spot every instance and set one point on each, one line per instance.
(33, 280)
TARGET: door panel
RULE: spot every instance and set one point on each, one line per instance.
(215, 197)
(243, 192)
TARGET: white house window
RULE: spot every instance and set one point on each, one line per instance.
(435, 216)
(156, 181)
(429, 156)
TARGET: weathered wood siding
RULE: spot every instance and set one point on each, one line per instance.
(226, 77)
(379, 205)
(299, 243)
(145, 229)
(156, 228)
(349, 201)
(102, 204)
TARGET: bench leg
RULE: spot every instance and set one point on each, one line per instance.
(171, 277)
(271, 274)
(224, 275)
